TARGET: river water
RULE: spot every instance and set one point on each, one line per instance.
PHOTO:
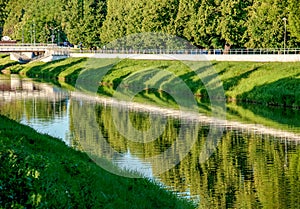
(218, 164)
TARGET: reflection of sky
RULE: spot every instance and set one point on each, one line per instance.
(57, 127)
(130, 162)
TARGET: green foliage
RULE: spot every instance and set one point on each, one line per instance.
(231, 26)
(206, 23)
(265, 27)
(294, 18)
(3, 14)
(83, 20)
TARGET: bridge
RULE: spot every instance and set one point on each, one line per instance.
(28, 52)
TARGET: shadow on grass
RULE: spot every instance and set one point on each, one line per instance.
(46, 72)
(234, 81)
(284, 92)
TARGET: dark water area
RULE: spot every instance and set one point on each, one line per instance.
(229, 164)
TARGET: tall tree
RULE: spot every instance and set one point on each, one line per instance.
(83, 20)
(265, 27)
(3, 14)
(201, 30)
(186, 9)
(294, 19)
(158, 15)
(114, 26)
(231, 22)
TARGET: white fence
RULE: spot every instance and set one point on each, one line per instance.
(275, 51)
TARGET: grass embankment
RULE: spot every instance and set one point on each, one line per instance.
(275, 84)
(267, 84)
(5, 61)
(42, 172)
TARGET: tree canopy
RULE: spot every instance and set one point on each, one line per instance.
(204, 23)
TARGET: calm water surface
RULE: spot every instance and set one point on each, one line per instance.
(246, 166)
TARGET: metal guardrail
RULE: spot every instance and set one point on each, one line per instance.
(27, 44)
(23, 49)
(54, 50)
(257, 51)
(278, 51)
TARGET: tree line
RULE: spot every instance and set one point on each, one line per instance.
(204, 23)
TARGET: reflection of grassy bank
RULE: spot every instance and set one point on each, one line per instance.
(41, 171)
(279, 118)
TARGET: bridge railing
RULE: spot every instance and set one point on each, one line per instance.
(257, 51)
(275, 51)
(25, 44)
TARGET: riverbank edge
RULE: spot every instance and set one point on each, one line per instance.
(42, 171)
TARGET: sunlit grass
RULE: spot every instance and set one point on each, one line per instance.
(5, 61)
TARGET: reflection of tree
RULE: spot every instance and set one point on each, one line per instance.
(13, 109)
(246, 171)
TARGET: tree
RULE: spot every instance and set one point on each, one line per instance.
(158, 15)
(294, 19)
(201, 30)
(265, 27)
(83, 20)
(186, 8)
(3, 14)
(114, 26)
(231, 22)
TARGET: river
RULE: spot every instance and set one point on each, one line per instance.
(216, 163)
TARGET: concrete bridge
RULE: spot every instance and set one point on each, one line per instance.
(26, 53)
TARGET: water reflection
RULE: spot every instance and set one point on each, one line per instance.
(250, 168)
(39, 105)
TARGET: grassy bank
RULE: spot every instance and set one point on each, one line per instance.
(274, 84)
(42, 172)
(253, 86)
(5, 62)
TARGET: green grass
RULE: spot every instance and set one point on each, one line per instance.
(275, 84)
(5, 62)
(264, 83)
(40, 171)
(160, 82)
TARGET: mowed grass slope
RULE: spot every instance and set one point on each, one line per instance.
(5, 61)
(264, 83)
